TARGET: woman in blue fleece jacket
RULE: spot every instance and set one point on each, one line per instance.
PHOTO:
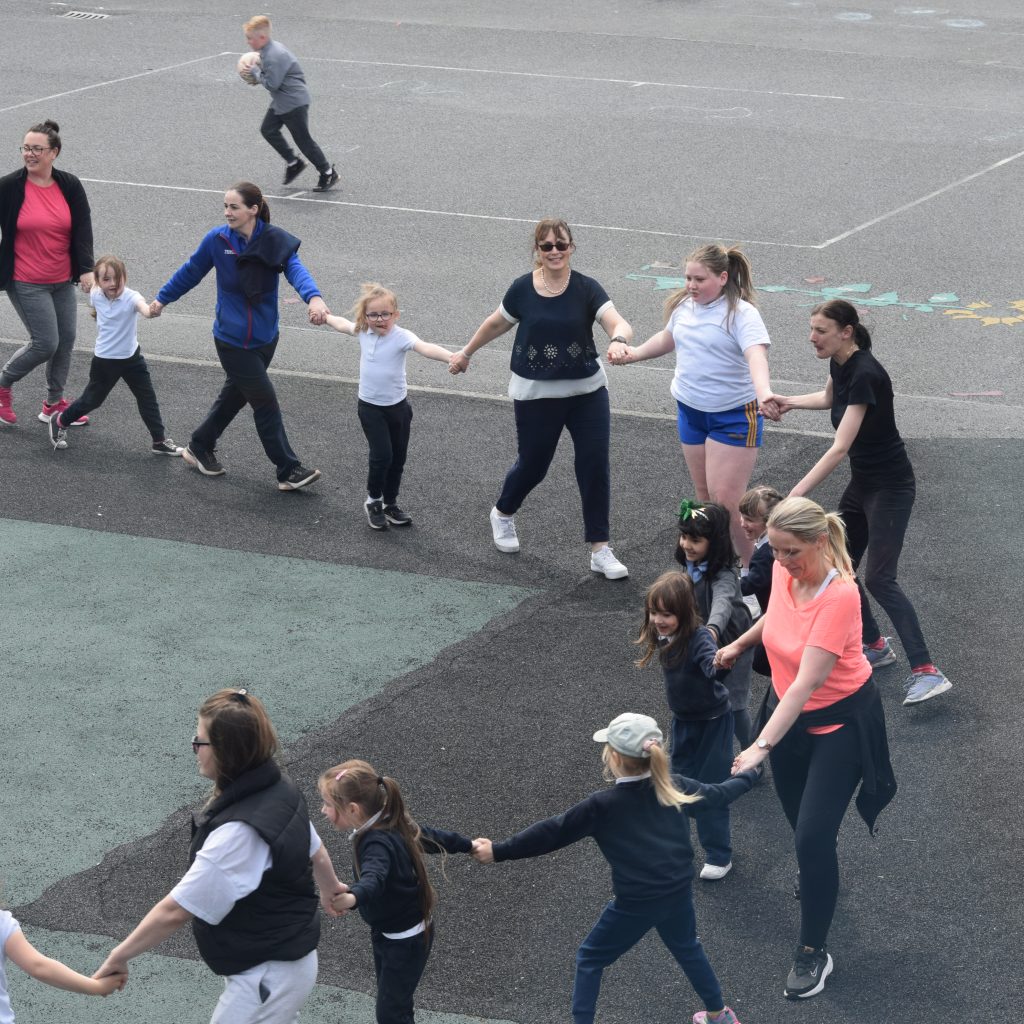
(249, 256)
(639, 827)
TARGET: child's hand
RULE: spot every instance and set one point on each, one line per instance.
(458, 362)
(619, 353)
(483, 851)
(749, 758)
(326, 899)
(110, 983)
(725, 657)
(343, 902)
(155, 308)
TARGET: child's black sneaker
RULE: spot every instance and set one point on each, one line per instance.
(293, 170)
(298, 478)
(810, 969)
(396, 517)
(327, 180)
(207, 464)
(166, 447)
(375, 515)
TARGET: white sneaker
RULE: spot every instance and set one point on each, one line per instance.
(503, 529)
(603, 560)
(715, 872)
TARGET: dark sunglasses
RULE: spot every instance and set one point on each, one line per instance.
(548, 246)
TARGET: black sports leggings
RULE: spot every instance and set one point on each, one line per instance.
(815, 777)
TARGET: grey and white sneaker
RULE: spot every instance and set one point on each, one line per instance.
(298, 478)
(375, 515)
(925, 685)
(207, 464)
(503, 530)
(808, 974)
(58, 435)
(603, 560)
(166, 447)
(881, 656)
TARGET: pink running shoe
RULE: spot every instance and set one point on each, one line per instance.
(727, 1017)
(61, 406)
(6, 408)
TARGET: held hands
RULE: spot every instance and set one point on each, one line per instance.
(318, 311)
(327, 900)
(725, 657)
(86, 281)
(110, 983)
(342, 901)
(114, 968)
(458, 362)
(768, 405)
(483, 851)
(749, 758)
(619, 353)
(155, 308)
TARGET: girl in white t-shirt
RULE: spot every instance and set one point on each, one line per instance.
(16, 948)
(118, 357)
(384, 410)
(721, 384)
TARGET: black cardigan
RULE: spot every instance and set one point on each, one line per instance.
(12, 196)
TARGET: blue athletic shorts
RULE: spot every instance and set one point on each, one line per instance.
(742, 427)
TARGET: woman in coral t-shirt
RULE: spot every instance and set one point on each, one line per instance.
(45, 249)
(827, 733)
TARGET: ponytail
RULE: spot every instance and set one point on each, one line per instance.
(839, 556)
(252, 195)
(738, 285)
(658, 765)
(808, 521)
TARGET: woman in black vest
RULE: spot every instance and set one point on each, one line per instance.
(557, 384)
(249, 891)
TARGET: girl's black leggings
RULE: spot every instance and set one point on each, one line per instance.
(815, 777)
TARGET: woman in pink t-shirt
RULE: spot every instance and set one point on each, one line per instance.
(827, 734)
(45, 249)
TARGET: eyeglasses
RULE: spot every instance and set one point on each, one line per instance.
(34, 150)
(380, 316)
(197, 743)
(548, 246)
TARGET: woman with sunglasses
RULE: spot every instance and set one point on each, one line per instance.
(45, 248)
(558, 383)
(249, 891)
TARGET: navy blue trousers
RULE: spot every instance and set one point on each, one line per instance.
(399, 964)
(103, 375)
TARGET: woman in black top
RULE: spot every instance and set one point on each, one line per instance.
(557, 383)
(877, 502)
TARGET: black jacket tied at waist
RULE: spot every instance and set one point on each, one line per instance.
(263, 259)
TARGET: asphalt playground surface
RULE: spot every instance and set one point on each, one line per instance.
(870, 150)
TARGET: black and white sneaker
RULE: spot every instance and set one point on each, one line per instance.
(396, 517)
(298, 478)
(206, 464)
(375, 515)
(327, 180)
(810, 969)
(166, 447)
(293, 170)
(58, 435)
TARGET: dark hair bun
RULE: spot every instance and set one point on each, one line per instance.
(52, 125)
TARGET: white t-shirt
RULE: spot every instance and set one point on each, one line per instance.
(8, 926)
(116, 337)
(382, 365)
(711, 372)
(229, 866)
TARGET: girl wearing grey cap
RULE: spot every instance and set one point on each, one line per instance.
(638, 827)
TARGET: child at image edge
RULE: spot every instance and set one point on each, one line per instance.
(640, 828)
(384, 410)
(391, 890)
(16, 948)
(118, 357)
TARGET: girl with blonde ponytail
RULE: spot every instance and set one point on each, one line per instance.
(638, 827)
(721, 385)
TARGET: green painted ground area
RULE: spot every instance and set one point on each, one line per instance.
(101, 686)
(164, 990)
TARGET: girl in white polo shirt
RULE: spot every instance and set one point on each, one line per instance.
(721, 384)
(384, 410)
(118, 357)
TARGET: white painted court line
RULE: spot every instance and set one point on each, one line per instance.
(918, 202)
(300, 198)
(115, 81)
(573, 78)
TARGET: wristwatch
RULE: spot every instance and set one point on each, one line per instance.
(764, 745)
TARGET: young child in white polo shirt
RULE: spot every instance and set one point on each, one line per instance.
(384, 410)
(117, 357)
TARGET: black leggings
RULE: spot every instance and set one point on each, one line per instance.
(815, 777)
(876, 522)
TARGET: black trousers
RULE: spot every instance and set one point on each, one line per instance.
(103, 375)
(399, 964)
(297, 122)
(815, 777)
(387, 430)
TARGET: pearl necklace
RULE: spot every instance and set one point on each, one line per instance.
(548, 288)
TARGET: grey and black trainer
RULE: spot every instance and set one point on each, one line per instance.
(207, 464)
(375, 515)
(807, 977)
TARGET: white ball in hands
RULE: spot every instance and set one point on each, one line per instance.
(245, 66)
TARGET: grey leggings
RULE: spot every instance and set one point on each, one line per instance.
(50, 316)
